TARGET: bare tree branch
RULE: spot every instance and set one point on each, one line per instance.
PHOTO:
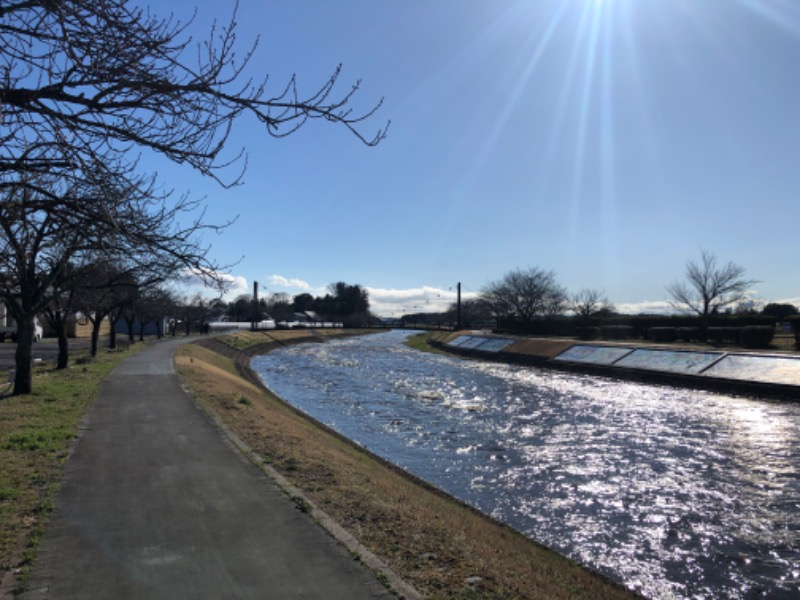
(525, 294)
(132, 87)
(709, 287)
(588, 303)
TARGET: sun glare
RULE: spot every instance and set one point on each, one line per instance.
(605, 77)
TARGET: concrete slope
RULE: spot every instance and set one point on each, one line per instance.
(157, 504)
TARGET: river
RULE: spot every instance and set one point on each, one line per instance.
(675, 493)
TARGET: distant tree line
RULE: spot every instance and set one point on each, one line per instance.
(343, 303)
(712, 305)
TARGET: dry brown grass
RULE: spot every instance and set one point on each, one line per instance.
(441, 547)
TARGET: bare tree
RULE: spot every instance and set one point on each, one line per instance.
(709, 287)
(525, 294)
(48, 224)
(155, 305)
(107, 77)
(126, 295)
(103, 290)
(194, 311)
(588, 303)
(58, 313)
(84, 86)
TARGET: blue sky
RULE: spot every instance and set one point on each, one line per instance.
(607, 140)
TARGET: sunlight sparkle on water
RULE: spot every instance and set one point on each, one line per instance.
(675, 493)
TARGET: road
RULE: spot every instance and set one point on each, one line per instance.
(45, 350)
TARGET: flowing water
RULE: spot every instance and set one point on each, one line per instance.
(675, 493)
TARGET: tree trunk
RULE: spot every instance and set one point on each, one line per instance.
(58, 323)
(62, 362)
(704, 318)
(23, 378)
(112, 334)
(129, 323)
(95, 335)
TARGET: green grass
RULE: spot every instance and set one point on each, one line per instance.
(37, 432)
(421, 342)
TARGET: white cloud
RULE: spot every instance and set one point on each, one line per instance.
(294, 283)
(793, 301)
(392, 302)
(649, 307)
(662, 307)
(235, 285)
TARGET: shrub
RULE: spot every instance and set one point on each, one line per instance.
(587, 333)
(662, 334)
(794, 321)
(757, 336)
(633, 322)
(617, 332)
(721, 335)
(689, 334)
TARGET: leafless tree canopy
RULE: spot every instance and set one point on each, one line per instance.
(709, 286)
(46, 225)
(85, 80)
(84, 86)
(525, 294)
(588, 303)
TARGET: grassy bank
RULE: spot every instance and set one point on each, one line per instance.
(37, 432)
(441, 547)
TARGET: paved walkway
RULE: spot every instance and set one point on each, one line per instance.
(157, 504)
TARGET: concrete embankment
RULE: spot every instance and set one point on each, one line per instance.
(748, 373)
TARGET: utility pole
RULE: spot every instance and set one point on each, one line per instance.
(458, 305)
(255, 306)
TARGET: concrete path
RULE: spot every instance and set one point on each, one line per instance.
(157, 504)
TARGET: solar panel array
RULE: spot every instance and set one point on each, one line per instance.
(481, 343)
(768, 369)
(594, 355)
(743, 367)
(672, 361)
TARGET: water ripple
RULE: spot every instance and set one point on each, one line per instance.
(675, 493)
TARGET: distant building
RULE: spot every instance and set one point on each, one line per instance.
(307, 316)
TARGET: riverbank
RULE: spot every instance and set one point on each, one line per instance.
(440, 546)
(766, 373)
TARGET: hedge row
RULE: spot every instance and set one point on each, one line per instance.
(757, 336)
(794, 321)
(632, 327)
(662, 335)
(751, 336)
(749, 331)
